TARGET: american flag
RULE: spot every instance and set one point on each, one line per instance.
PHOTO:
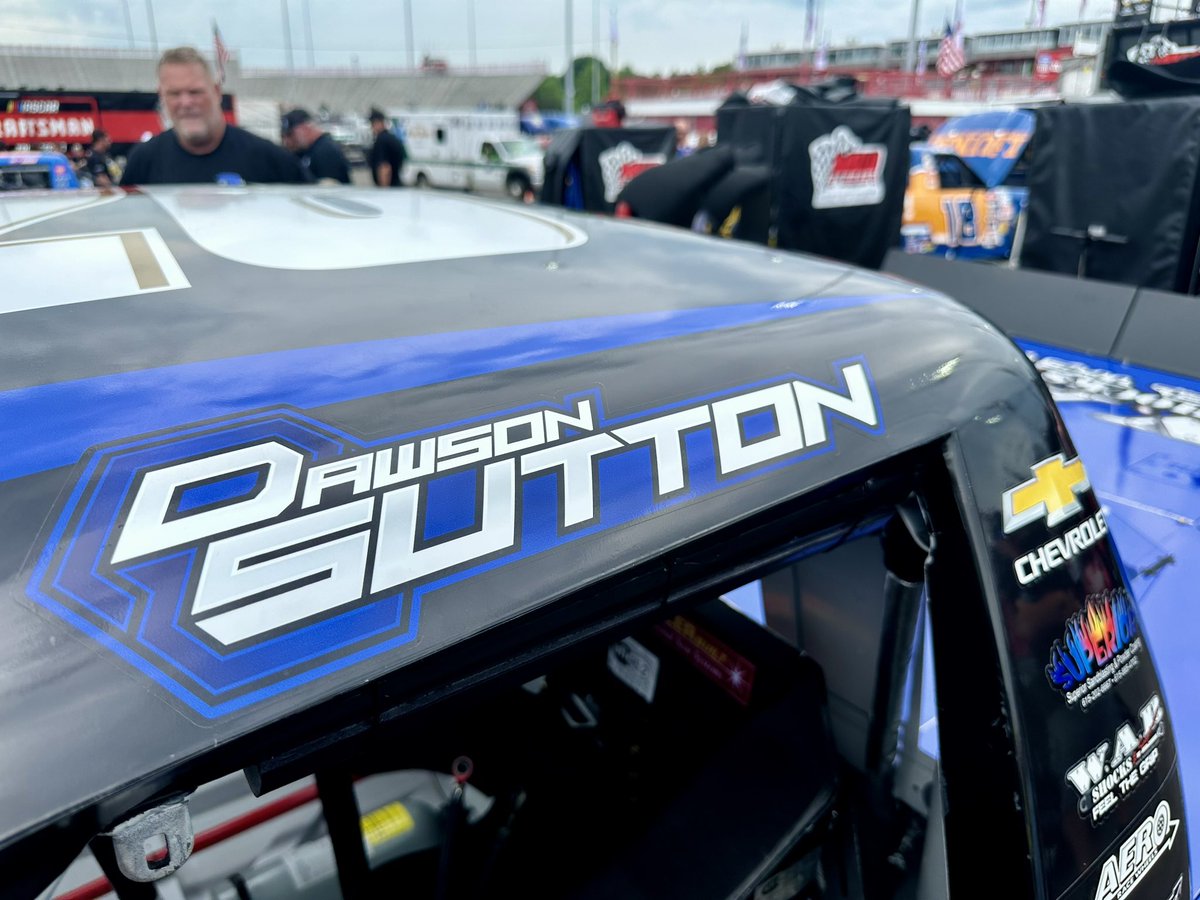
(810, 22)
(951, 56)
(220, 53)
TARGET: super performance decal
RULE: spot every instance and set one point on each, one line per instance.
(236, 559)
(1099, 647)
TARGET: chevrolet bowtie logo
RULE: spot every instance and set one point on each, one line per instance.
(1052, 493)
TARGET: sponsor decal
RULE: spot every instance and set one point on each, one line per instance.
(998, 144)
(722, 665)
(1170, 410)
(49, 128)
(619, 165)
(1112, 770)
(1177, 891)
(36, 106)
(1051, 494)
(234, 559)
(1150, 841)
(1099, 647)
(1058, 551)
(845, 171)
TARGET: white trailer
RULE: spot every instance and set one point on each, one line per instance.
(469, 150)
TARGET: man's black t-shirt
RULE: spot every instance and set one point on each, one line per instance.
(97, 164)
(255, 160)
(387, 149)
(324, 159)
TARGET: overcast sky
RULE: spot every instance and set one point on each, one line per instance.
(653, 35)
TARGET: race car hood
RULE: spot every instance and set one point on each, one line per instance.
(269, 448)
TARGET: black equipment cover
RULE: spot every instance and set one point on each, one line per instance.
(582, 148)
(746, 189)
(846, 212)
(1143, 225)
(673, 193)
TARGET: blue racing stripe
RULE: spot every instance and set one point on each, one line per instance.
(48, 426)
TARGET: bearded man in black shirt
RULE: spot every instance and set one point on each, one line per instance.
(201, 146)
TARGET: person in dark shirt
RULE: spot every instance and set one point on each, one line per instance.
(98, 165)
(320, 155)
(387, 153)
(201, 146)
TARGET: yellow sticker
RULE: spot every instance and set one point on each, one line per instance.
(386, 823)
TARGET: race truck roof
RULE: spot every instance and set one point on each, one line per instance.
(279, 462)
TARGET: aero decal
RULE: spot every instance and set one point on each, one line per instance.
(1151, 841)
(1051, 494)
(236, 559)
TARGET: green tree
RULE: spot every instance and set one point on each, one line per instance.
(587, 67)
(550, 93)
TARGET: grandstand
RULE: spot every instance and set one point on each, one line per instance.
(337, 90)
(350, 92)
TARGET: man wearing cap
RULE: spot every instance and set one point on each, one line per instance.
(387, 154)
(318, 152)
(201, 146)
(98, 165)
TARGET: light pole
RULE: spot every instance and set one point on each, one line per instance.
(910, 53)
(128, 23)
(471, 30)
(287, 35)
(408, 34)
(595, 55)
(569, 87)
(153, 30)
(312, 61)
